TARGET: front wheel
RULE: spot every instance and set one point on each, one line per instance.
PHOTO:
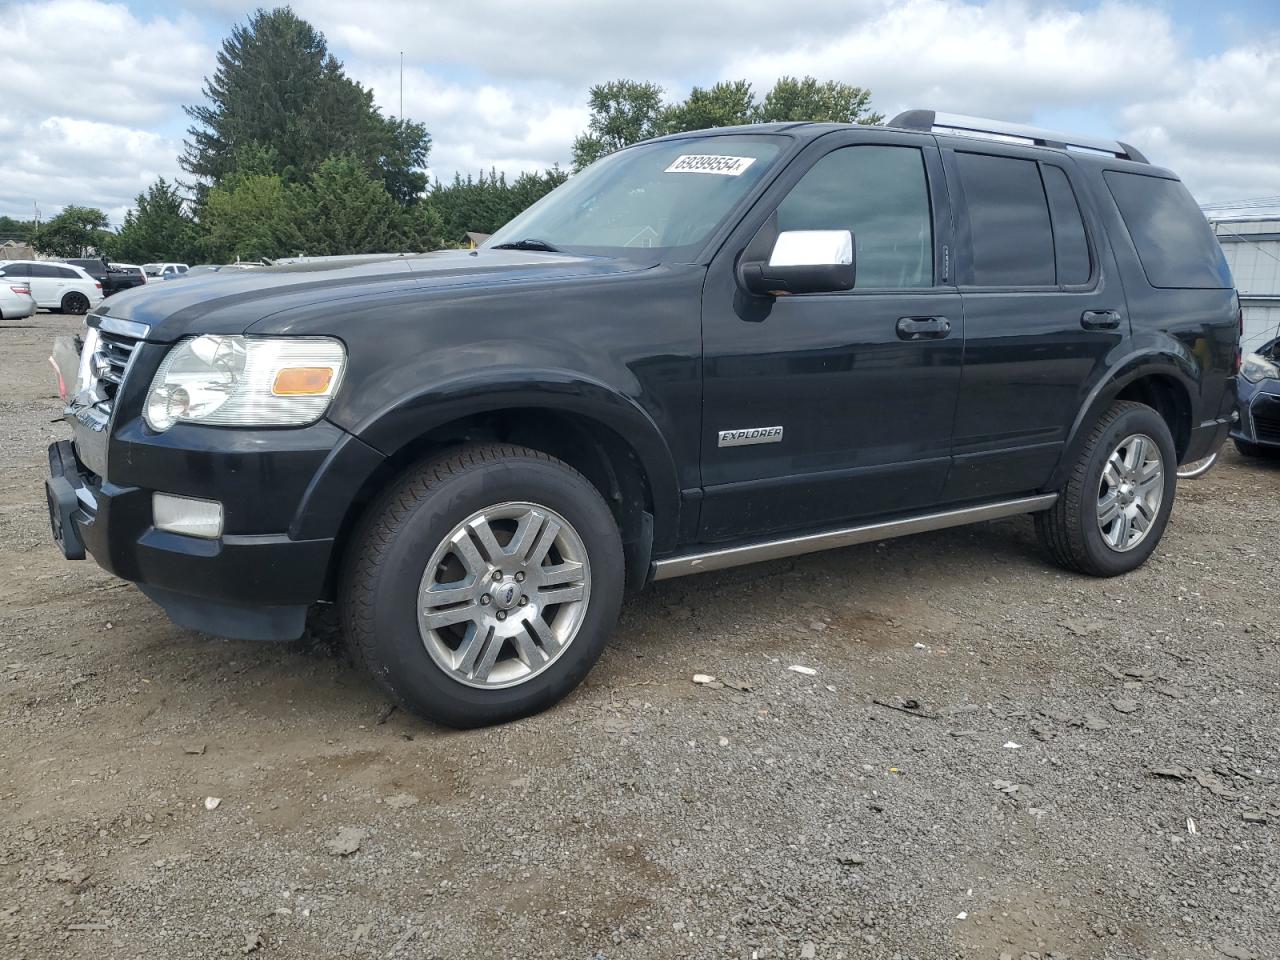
(1111, 513)
(484, 585)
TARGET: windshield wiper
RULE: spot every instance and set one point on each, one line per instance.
(528, 243)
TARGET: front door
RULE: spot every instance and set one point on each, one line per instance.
(823, 408)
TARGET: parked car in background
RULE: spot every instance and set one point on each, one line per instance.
(16, 302)
(55, 286)
(112, 280)
(164, 271)
(1257, 434)
(135, 272)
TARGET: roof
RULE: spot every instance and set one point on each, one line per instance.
(950, 127)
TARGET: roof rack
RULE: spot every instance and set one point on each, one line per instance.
(957, 123)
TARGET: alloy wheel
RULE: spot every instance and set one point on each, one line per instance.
(1130, 492)
(504, 595)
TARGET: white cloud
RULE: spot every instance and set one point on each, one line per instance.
(1220, 130)
(84, 108)
(97, 112)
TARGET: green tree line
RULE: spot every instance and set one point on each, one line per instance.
(289, 155)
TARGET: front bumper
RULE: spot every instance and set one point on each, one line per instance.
(247, 586)
(1259, 413)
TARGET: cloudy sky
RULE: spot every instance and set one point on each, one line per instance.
(91, 92)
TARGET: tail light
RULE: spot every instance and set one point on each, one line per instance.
(98, 285)
(21, 291)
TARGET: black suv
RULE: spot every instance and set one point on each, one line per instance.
(112, 280)
(704, 350)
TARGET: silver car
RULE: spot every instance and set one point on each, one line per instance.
(16, 302)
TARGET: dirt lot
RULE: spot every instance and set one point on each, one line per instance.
(1017, 812)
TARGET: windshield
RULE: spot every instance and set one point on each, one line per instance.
(657, 197)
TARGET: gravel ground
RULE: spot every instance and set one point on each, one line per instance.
(990, 758)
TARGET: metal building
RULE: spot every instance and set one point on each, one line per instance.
(1249, 232)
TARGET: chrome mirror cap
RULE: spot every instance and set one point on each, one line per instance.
(812, 248)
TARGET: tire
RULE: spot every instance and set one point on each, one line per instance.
(1256, 450)
(390, 607)
(1072, 532)
(75, 304)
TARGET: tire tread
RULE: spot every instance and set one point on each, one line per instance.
(1058, 528)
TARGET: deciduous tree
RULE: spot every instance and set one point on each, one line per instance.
(74, 232)
(623, 112)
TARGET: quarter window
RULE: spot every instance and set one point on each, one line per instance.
(880, 194)
(1009, 225)
(1173, 239)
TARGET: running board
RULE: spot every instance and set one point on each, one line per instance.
(845, 536)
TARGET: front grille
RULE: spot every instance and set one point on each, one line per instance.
(1267, 427)
(109, 366)
(1265, 414)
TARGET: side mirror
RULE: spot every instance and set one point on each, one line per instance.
(803, 261)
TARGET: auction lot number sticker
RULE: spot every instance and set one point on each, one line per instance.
(710, 163)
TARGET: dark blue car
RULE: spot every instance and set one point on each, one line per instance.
(1258, 432)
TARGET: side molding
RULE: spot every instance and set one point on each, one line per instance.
(845, 536)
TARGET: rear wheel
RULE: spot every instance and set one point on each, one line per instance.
(1248, 449)
(484, 585)
(75, 303)
(1113, 510)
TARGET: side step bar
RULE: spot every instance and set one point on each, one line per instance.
(845, 536)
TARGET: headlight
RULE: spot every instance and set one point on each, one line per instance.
(1256, 367)
(245, 382)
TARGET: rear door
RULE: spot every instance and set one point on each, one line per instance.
(835, 410)
(44, 284)
(1043, 310)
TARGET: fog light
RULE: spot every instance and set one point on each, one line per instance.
(195, 518)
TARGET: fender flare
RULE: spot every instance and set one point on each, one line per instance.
(389, 431)
(1176, 365)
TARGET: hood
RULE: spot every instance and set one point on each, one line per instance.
(232, 302)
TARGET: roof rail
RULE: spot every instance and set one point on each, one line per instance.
(957, 123)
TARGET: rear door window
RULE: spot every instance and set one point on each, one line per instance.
(1173, 239)
(1071, 246)
(1009, 226)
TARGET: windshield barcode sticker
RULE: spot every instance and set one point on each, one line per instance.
(709, 163)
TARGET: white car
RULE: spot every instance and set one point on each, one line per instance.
(60, 287)
(164, 271)
(16, 301)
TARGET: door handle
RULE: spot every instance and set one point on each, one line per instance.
(1100, 319)
(923, 328)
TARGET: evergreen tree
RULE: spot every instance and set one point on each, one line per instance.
(249, 217)
(343, 210)
(158, 228)
(279, 93)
